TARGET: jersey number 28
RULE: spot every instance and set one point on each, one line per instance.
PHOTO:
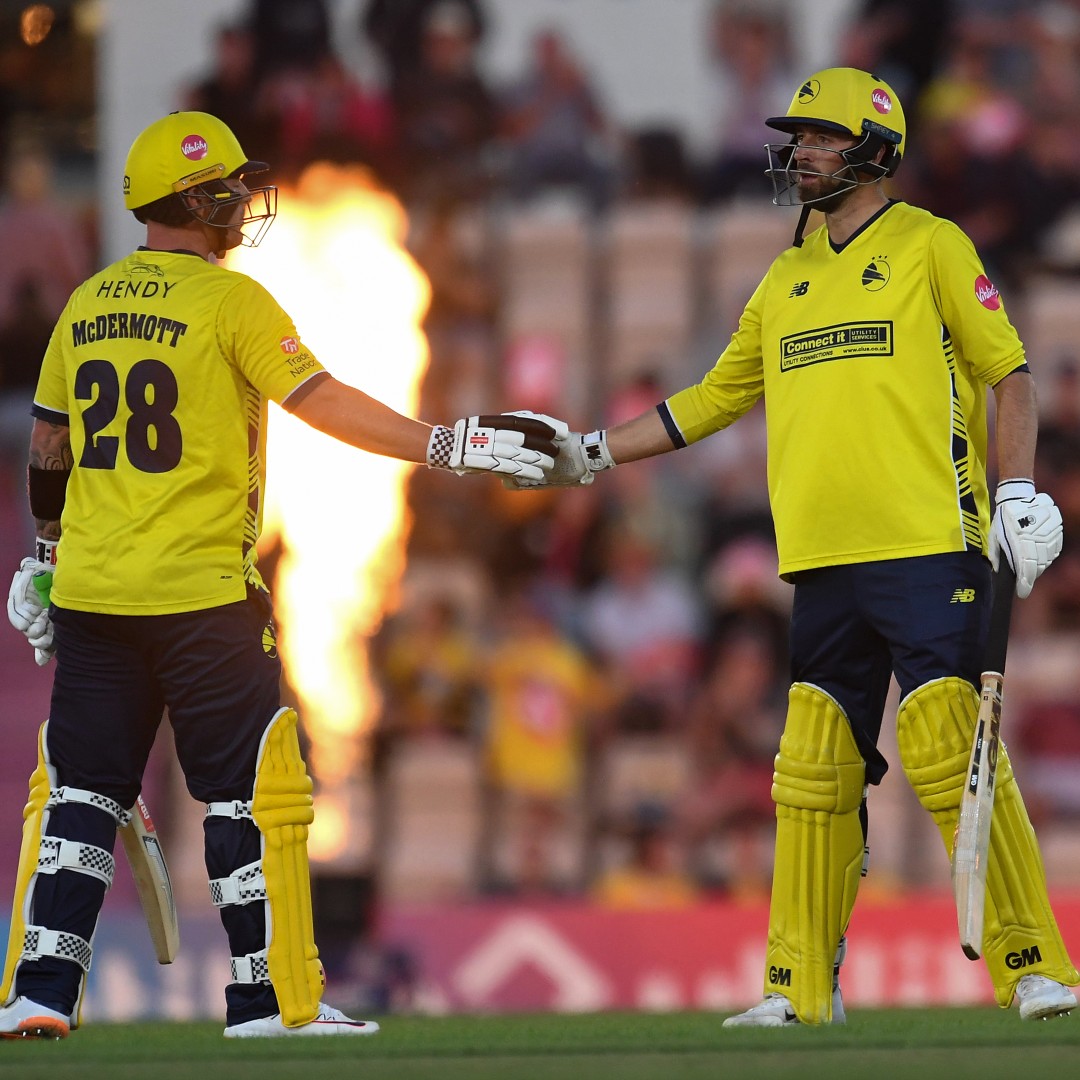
(152, 436)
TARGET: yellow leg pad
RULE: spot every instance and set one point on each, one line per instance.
(282, 808)
(40, 786)
(818, 788)
(935, 726)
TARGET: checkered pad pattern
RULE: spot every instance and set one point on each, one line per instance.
(253, 968)
(237, 810)
(240, 887)
(58, 854)
(39, 942)
(440, 447)
(89, 798)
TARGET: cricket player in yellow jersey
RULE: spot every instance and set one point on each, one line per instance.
(874, 343)
(146, 481)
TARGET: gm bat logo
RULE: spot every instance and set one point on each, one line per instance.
(779, 976)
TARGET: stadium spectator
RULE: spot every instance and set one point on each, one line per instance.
(903, 41)
(428, 662)
(733, 725)
(324, 113)
(446, 113)
(750, 77)
(396, 29)
(231, 91)
(554, 128)
(542, 696)
(644, 623)
(651, 878)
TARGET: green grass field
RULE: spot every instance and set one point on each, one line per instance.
(921, 1044)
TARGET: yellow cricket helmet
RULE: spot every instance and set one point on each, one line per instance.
(179, 152)
(191, 154)
(858, 103)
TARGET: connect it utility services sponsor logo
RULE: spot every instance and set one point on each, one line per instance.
(836, 343)
(986, 292)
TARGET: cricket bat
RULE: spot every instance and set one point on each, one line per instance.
(971, 842)
(151, 875)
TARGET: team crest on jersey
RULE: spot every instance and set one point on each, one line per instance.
(290, 345)
(987, 294)
(809, 90)
(876, 274)
(269, 640)
(193, 147)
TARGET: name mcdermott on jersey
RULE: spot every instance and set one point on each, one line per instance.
(837, 342)
(128, 324)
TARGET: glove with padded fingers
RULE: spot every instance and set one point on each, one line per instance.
(1027, 528)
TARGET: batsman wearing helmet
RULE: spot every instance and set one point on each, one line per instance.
(874, 343)
(146, 481)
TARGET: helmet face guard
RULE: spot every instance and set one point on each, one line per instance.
(853, 169)
(215, 204)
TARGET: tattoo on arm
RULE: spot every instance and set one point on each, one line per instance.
(50, 448)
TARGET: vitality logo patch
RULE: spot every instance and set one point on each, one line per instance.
(839, 342)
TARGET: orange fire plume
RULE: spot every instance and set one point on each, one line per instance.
(336, 261)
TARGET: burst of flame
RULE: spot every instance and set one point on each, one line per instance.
(335, 260)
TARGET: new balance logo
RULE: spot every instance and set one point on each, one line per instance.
(963, 596)
(800, 288)
(779, 976)
(1024, 958)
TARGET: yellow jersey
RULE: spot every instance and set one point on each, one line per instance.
(874, 358)
(541, 689)
(162, 365)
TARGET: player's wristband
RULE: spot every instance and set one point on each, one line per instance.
(46, 552)
(439, 447)
(594, 450)
(1008, 490)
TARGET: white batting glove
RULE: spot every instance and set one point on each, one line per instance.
(1027, 528)
(501, 443)
(580, 458)
(26, 611)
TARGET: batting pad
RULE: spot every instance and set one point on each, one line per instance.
(935, 726)
(818, 790)
(282, 809)
(41, 783)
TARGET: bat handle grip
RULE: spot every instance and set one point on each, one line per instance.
(42, 582)
(997, 640)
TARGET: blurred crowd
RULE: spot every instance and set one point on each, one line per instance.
(611, 660)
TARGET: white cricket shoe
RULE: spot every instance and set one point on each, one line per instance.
(329, 1021)
(1040, 998)
(26, 1019)
(775, 1009)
